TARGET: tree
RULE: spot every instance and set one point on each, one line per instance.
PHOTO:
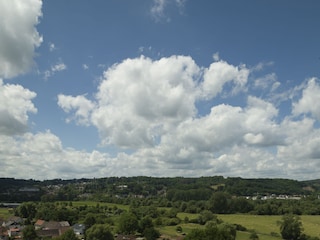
(27, 210)
(99, 232)
(206, 216)
(145, 223)
(213, 231)
(219, 202)
(254, 236)
(290, 227)
(196, 234)
(29, 233)
(68, 235)
(128, 223)
(151, 233)
(90, 220)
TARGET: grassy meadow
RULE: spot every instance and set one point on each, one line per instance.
(265, 226)
(92, 203)
(5, 213)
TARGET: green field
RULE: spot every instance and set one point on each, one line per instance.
(5, 212)
(265, 226)
(92, 203)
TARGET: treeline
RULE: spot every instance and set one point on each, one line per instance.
(174, 189)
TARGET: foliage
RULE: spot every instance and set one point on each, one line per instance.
(128, 223)
(151, 233)
(254, 236)
(99, 232)
(176, 189)
(68, 235)
(29, 233)
(219, 202)
(213, 231)
(26, 210)
(290, 227)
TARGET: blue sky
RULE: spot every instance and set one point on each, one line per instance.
(159, 88)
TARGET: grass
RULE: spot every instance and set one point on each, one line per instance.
(265, 225)
(311, 225)
(172, 232)
(93, 203)
(6, 212)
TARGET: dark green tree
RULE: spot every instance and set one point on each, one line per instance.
(219, 202)
(213, 231)
(253, 236)
(27, 210)
(68, 235)
(206, 216)
(99, 232)
(29, 233)
(197, 234)
(128, 223)
(151, 233)
(290, 227)
(90, 220)
(145, 223)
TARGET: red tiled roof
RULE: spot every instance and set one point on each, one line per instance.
(39, 222)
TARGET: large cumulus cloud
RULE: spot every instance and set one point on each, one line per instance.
(151, 107)
(16, 104)
(18, 35)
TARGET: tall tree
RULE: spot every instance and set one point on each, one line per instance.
(290, 227)
(29, 233)
(99, 232)
(68, 235)
(128, 223)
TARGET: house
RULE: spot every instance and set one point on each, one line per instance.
(3, 233)
(48, 233)
(42, 224)
(79, 229)
(12, 221)
(51, 229)
(64, 224)
(15, 232)
(39, 224)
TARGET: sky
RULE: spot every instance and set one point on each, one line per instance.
(160, 88)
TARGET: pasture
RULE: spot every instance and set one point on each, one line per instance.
(265, 226)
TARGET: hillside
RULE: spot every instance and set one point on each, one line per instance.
(180, 188)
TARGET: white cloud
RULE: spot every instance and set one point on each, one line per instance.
(58, 67)
(310, 101)
(265, 82)
(19, 37)
(85, 66)
(82, 105)
(149, 106)
(54, 69)
(216, 57)
(42, 156)
(14, 108)
(218, 74)
(52, 47)
(158, 8)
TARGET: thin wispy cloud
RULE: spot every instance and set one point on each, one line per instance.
(54, 69)
(158, 9)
